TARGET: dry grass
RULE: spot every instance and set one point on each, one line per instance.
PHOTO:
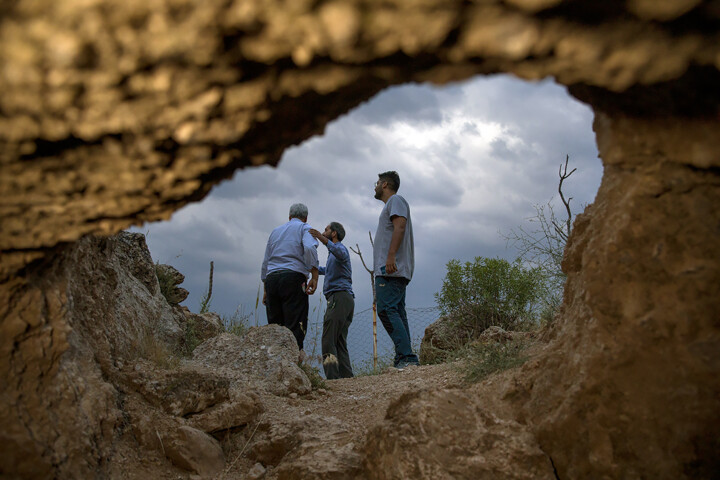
(482, 360)
(155, 351)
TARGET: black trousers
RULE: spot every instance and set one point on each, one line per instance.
(287, 302)
(338, 317)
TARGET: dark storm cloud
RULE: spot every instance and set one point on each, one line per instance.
(400, 104)
(473, 159)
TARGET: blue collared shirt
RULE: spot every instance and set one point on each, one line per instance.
(290, 247)
(338, 271)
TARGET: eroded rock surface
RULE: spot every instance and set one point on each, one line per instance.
(119, 112)
(445, 434)
(123, 111)
(105, 348)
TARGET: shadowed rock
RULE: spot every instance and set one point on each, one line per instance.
(120, 112)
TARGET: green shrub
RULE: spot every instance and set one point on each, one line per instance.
(490, 291)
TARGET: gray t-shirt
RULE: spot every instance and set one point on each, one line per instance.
(405, 256)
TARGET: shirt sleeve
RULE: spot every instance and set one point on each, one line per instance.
(397, 208)
(338, 251)
(321, 270)
(263, 270)
(310, 255)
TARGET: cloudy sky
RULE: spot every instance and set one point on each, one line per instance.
(473, 159)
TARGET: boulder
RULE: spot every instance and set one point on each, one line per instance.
(182, 391)
(266, 358)
(446, 435)
(311, 446)
(195, 451)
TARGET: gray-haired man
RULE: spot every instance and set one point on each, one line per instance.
(291, 254)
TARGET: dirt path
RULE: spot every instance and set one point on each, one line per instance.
(336, 419)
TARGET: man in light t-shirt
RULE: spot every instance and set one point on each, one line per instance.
(393, 264)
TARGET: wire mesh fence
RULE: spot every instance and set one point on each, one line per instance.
(360, 336)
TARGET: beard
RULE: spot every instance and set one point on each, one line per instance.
(378, 195)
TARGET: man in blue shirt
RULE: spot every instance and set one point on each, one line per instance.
(393, 264)
(337, 289)
(291, 254)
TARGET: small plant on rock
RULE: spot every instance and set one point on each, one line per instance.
(238, 322)
(191, 339)
(313, 374)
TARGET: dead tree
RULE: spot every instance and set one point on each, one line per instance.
(374, 307)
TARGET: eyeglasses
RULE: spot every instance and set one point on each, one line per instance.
(379, 182)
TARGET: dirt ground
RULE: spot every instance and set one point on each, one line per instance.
(358, 403)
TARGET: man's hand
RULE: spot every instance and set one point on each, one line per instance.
(390, 265)
(319, 236)
(264, 297)
(311, 286)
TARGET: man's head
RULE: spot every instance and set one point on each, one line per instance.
(334, 228)
(299, 211)
(389, 181)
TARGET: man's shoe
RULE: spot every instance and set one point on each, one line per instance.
(407, 364)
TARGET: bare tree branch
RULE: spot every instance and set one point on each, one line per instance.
(563, 175)
(359, 254)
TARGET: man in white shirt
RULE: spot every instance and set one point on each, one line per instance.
(291, 254)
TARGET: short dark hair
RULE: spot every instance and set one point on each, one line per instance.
(392, 178)
(337, 228)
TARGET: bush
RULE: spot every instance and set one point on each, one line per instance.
(490, 291)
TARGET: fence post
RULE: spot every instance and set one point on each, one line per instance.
(374, 337)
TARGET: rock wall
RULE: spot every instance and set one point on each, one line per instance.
(119, 112)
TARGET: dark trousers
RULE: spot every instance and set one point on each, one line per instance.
(287, 302)
(338, 317)
(390, 293)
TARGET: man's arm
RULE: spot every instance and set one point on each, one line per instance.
(399, 224)
(263, 269)
(340, 253)
(312, 284)
(310, 256)
(311, 261)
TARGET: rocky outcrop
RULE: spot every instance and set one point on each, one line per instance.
(149, 104)
(445, 434)
(117, 373)
(120, 112)
(169, 278)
